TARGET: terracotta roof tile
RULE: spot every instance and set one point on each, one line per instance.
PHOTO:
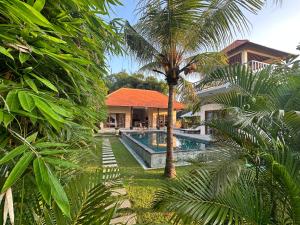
(140, 98)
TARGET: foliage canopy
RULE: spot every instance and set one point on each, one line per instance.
(52, 57)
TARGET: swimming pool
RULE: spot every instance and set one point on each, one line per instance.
(149, 147)
(157, 141)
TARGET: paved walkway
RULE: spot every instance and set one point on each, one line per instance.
(109, 162)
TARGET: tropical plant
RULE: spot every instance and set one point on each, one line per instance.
(52, 57)
(170, 34)
(186, 93)
(253, 177)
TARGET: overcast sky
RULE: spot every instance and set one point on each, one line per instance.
(274, 26)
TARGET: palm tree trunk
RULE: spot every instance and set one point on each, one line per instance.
(170, 171)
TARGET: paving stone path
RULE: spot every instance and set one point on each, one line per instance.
(109, 161)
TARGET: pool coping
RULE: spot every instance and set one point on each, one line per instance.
(142, 161)
(136, 156)
(148, 149)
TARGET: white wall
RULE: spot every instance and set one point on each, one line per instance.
(208, 107)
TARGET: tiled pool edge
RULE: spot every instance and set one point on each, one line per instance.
(140, 160)
(149, 159)
(137, 157)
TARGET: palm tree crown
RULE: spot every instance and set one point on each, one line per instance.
(170, 34)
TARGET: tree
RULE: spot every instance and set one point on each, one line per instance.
(253, 177)
(136, 80)
(169, 34)
(51, 95)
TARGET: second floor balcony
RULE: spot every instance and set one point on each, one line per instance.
(217, 87)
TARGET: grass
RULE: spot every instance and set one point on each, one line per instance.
(141, 184)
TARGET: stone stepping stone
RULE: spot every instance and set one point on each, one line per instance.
(120, 191)
(111, 165)
(108, 153)
(128, 220)
(107, 150)
(109, 162)
(108, 158)
(125, 204)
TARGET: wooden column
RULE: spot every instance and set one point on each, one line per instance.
(131, 119)
(157, 120)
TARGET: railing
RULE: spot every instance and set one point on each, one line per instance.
(257, 66)
(254, 65)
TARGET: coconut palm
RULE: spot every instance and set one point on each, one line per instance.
(253, 177)
(170, 34)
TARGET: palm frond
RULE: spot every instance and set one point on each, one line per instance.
(192, 200)
(139, 46)
(92, 201)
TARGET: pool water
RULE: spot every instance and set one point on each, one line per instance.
(157, 141)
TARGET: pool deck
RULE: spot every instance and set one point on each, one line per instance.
(176, 132)
(196, 136)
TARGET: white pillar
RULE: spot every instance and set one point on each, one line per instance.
(202, 119)
(244, 57)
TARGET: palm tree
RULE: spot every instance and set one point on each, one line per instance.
(253, 178)
(170, 34)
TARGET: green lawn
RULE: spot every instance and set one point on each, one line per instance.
(141, 184)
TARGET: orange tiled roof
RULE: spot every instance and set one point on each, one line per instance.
(140, 98)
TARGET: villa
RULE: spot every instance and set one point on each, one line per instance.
(254, 56)
(129, 108)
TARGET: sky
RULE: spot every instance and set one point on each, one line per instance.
(274, 26)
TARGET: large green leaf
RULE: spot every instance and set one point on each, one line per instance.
(52, 152)
(13, 153)
(12, 101)
(60, 110)
(31, 138)
(46, 109)
(30, 83)
(26, 101)
(18, 170)
(61, 163)
(6, 118)
(59, 195)
(54, 39)
(57, 125)
(42, 179)
(23, 57)
(39, 5)
(50, 144)
(45, 82)
(28, 13)
(6, 52)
